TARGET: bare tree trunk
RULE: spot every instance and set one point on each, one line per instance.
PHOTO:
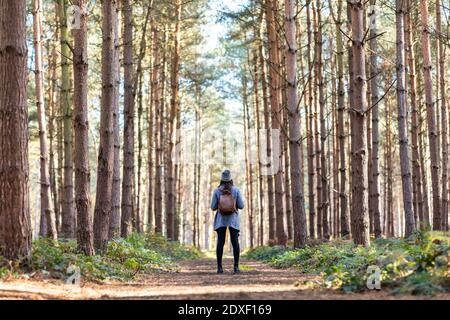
(178, 195)
(15, 231)
(346, 220)
(258, 145)
(52, 134)
(81, 124)
(323, 173)
(431, 116)
(389, 210)
(286, 164)
(344, 217)
(151, 142)
(46, 201)
(270, 191)
(60, 154)
(68, 214)
(333, 154)
(248, 169)
(424, 173)
(196, 186)
(174, 105)
(275, 97)
(374, 90)
(114, 224)
(135, 218)
(317, 154)
(369, 151)
(402, 121)
(444, 117)
(298, 200)
(128, 130)
(197, 172)
(102, 211)
(158, 125)
(416, 178)
(360, 223)
(177, 176)
(309, 131)
(150, 160)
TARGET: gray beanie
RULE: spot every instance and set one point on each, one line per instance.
(226, 175)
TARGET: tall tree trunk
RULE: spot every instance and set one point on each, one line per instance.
(317, 153)
(52, 131)
(135, 217)
(114, 224)
(177, 176)
(298, 200)
(444, 117)
(360, 219)
(174, 105)
(82, 175)
(162, 133)
(265, 96)
(333, 154)
(286, 164)
(374, 90)
(102, 211)
(46, 201)
(128, 129)
(150, 162)
(343, 211)
(410, 58)
(389, 210)
(309, 130)
(157, 111)
(248, 169)
(198, 171)
(128, 221)
(426, 224)
(424, 173)
(258, 145)
(347, 219)
(15, 231)
(196, 186)
(402, 121)
(324, 204)
(68, 214)
(140, 145)
(431, 116)
(275, 97)
(60, 155)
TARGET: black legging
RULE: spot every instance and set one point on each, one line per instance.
(234, 235)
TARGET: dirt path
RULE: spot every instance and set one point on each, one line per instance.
(195, 280)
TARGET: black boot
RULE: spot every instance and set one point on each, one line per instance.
(219, 269)
(236, 269)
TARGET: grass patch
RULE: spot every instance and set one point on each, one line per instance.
(123, 259)
(417, 265)
(245, 267)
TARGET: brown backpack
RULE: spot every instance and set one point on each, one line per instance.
(227, 204)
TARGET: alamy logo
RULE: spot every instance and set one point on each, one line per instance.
(222, 148)
(373, 12)
(74, 275)
(73, 17)
(374, 278)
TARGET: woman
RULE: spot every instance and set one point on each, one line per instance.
(222, 221)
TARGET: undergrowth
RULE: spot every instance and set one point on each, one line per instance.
(417, 265)
(123, 259)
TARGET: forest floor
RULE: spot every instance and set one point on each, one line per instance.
(196, 279)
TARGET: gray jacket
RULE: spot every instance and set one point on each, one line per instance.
(231, 220)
